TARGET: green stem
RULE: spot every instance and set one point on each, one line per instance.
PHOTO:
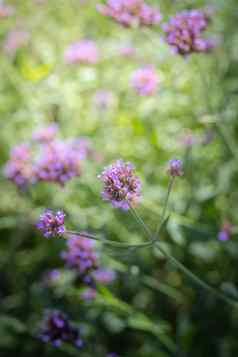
(171, 182)
(109, 242)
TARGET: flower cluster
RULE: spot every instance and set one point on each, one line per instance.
(51, 224)
(225, 232)
(184, 32)
(121, 186)
(45, 134)
(56, 328)
(84, 51)
(58, 162)
(46, 159)
(130, 12)
(103, 99)
(145, 81)
(19, 168)
(83, 259)
(175, 167)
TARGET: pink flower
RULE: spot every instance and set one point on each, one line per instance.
(130, 12)
(84, 51)
(145, 81)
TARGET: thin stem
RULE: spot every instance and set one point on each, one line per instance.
(219, 294)
(140, 221)
(109, 242)
(170, 186)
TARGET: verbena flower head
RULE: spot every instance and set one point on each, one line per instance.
(45, 134)
(59, 162)
(51, 224)
(175, 167)
(103, 99)
(184, 32)
(104, 276)
(84, 51)
(81, 257)
(225, 232)
(121, 186)
(19, 168)
(56, 328)
(88, 294)
(130, 12)
(145, 81)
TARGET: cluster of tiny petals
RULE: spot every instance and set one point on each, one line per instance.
(175, 167)
(84, 260)
(121, 187)
(19, 167)
(56, 328)
(225, 232)
(81, 256)
(145, 81)
(47, 158)
(184, 32)
(45, 134)
(130, 12)
(59, 162)
(84, 51)
(51, 224)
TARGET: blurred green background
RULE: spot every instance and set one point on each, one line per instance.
(151, 309)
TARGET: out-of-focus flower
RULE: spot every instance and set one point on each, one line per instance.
(184, 32)
(112, 354)
(15, 39)
(175, 167)
(51, 277)
(51, 224)
(127, 51)
(121, 186)
(19, 168)
(5, 10)
(145, 81)
(84, 51)
(130, 12)
(88, 294)
(56, 328)
(103, 99)
(104, 276)
(45, 134)
(59, 162)
(225, 232)
(81, 257)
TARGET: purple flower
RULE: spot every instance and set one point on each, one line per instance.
(184, 31)
(84, 51)
(51, 224)
(59, 162)
(81, 257)
(145, 81)
(225, 232)
(175, 167)
(51, 277)
(104, 276)
(121, 186)
(56, 328)
(88, 294)
(130, 12)
(45, 134)
(112, 354)
(103, 99)
(19, 168)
